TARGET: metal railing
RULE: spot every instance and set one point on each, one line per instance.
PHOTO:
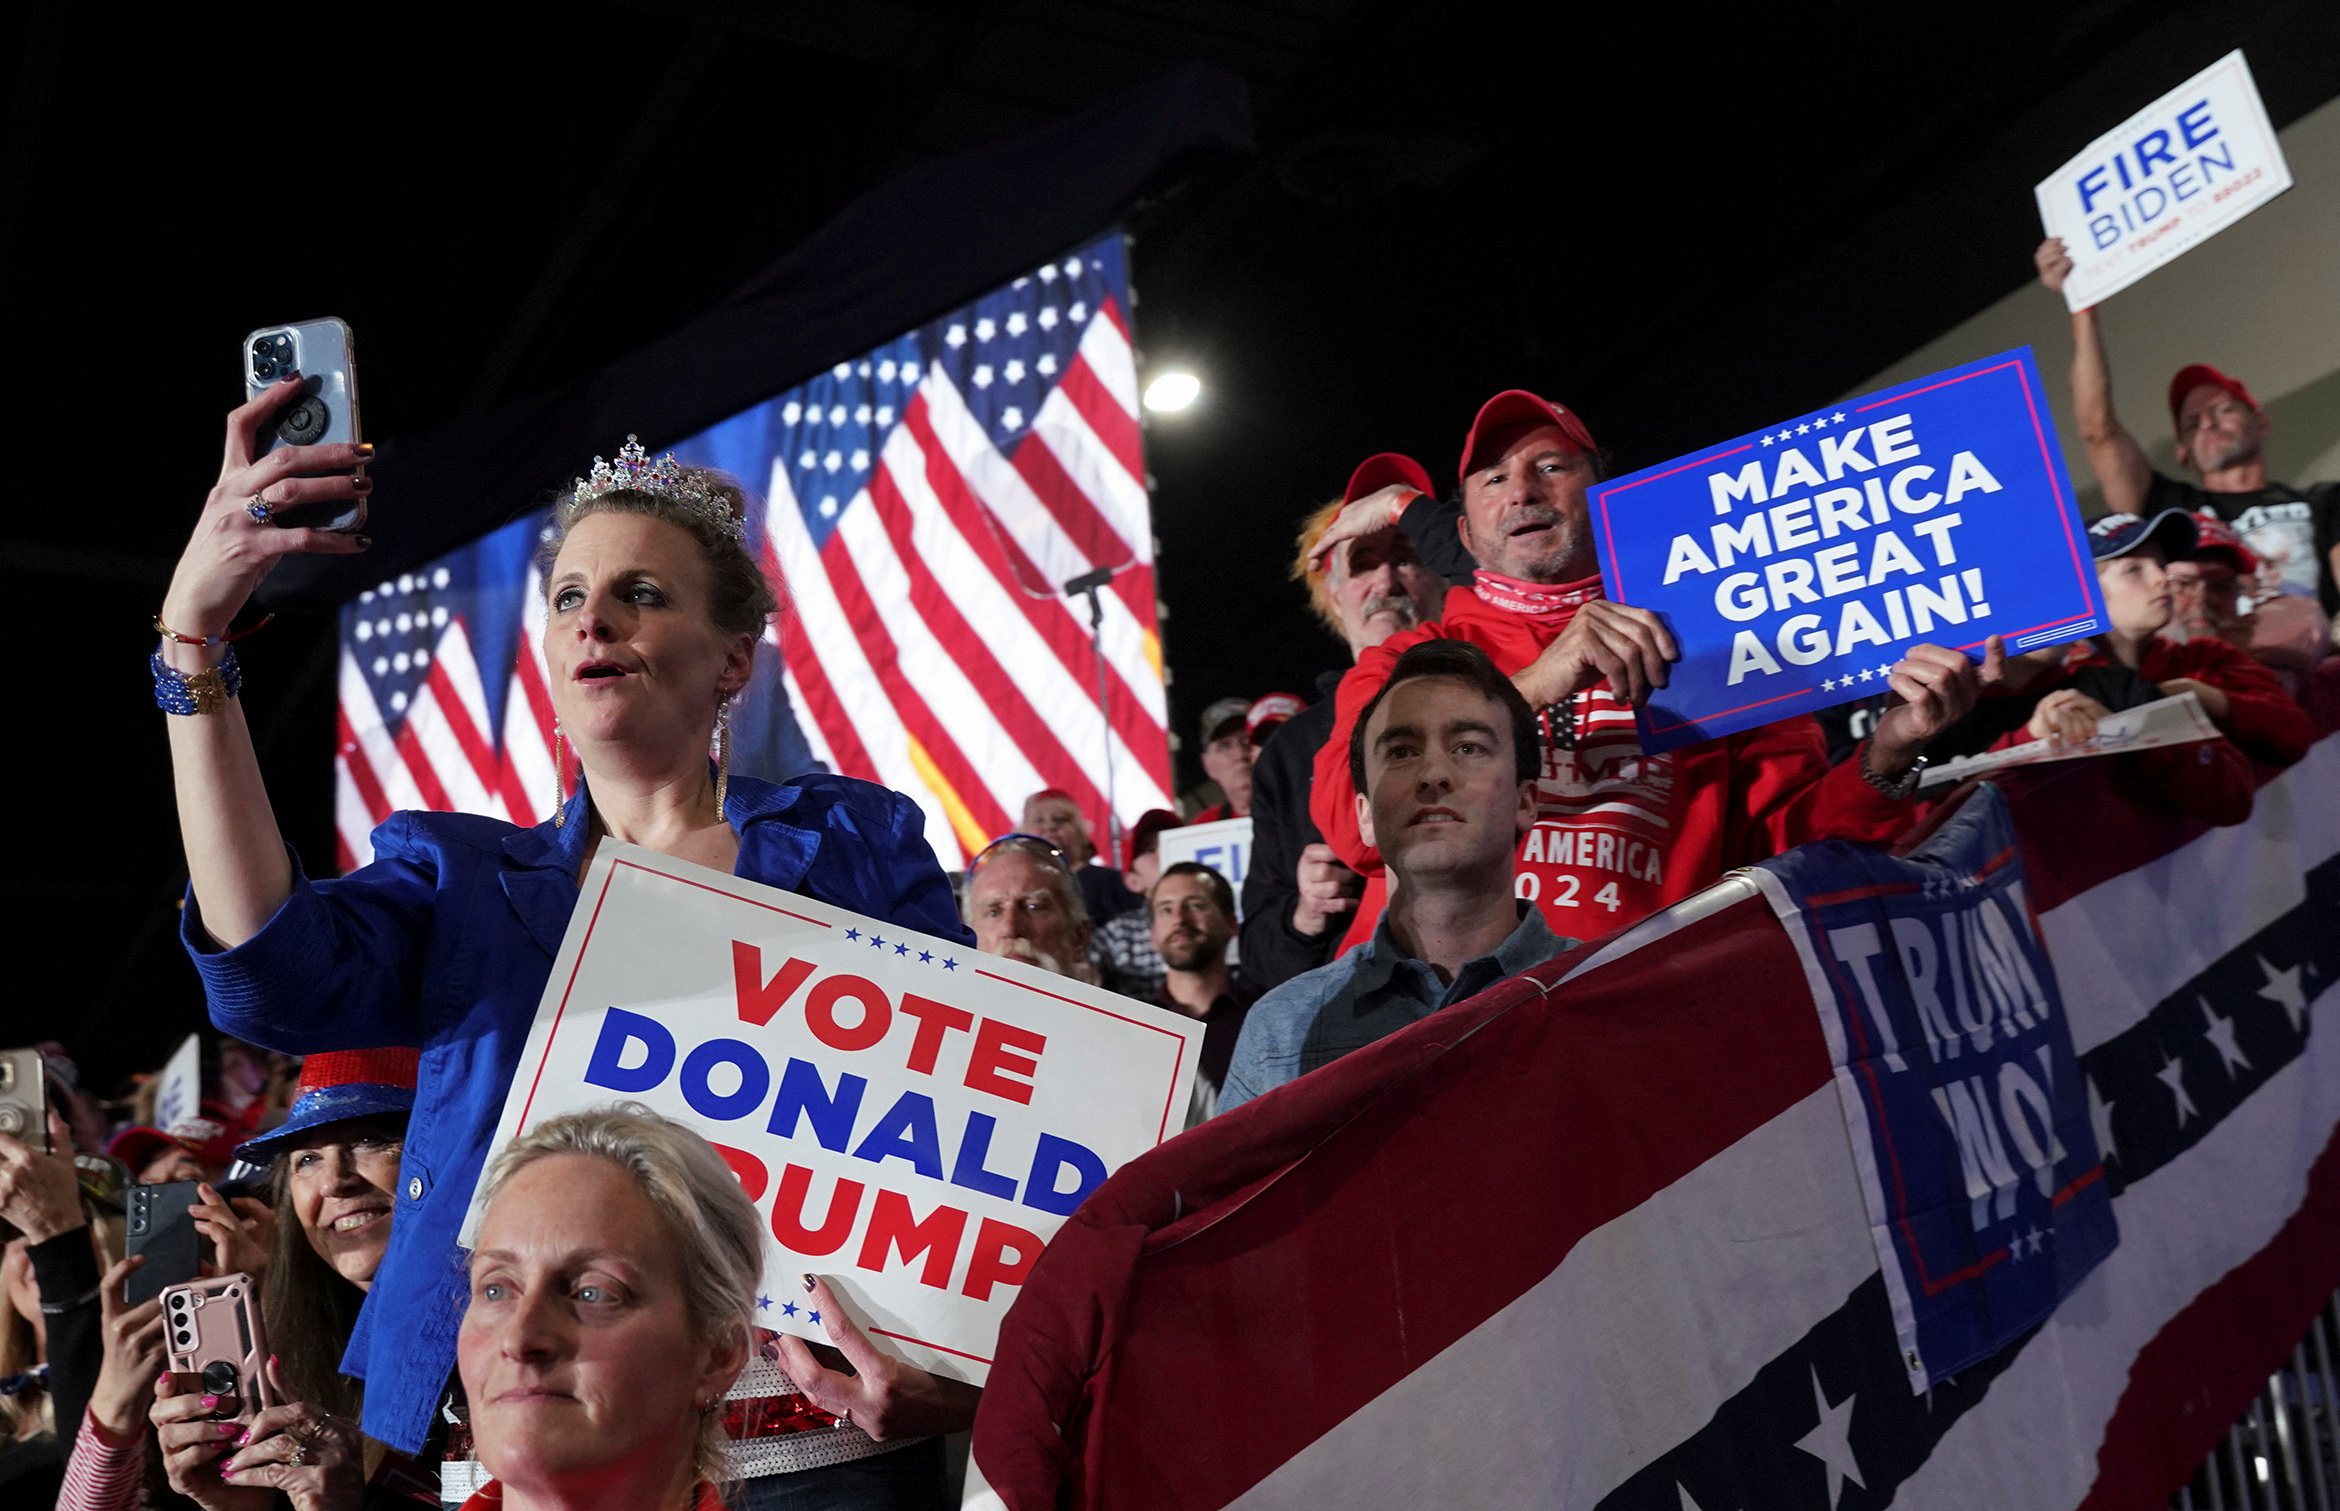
(2284, 1455)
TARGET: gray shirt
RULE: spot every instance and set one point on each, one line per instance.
(1369, 993)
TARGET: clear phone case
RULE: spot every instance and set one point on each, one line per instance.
(325, 355)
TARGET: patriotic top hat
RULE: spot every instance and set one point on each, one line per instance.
(337, 1085)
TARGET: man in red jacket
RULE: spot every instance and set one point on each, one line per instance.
(1619, 834)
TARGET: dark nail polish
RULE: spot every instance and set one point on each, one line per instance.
(292, 375)
(808, 1282)
(365, 542)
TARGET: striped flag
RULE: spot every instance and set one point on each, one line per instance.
(1598, 1237)
(921, 508)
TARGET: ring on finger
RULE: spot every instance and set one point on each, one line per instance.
(257, 507)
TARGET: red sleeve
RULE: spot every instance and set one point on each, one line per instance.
(2261, 716)
(1784, 794)
(1332, 799)
(2210, 780)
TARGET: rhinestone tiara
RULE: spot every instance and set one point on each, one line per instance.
(666, 478)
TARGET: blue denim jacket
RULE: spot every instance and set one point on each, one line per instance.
(1369, 993)
(445, 942)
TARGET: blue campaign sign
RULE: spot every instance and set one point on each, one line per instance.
(1954, 1065)
(1796, 565)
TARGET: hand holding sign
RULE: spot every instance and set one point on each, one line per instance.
(882, 1396)
(1937, 688)
(1630, 648)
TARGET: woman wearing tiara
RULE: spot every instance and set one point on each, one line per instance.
(445, 941)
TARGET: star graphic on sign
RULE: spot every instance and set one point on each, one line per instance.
(763, 1303)
(853, 933)
(1884, 673)
(2100, 1118)
(926, 957)
(815, 1317)
(1864, 674)
(2283, 987)
(1766, 441)
(2220, 1032)
(2173, 1075)
(1838, 417)
(1800, 429)
(1820, 422)
(2034, 1238)
(949, 964)
(1828, 685)
(787, 1308)
(1831, 1441)
(876, 942)
(901, 949)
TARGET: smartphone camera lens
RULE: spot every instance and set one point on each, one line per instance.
(260, 347)
(264, 370)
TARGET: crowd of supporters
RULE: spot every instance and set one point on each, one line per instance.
(1461, 798)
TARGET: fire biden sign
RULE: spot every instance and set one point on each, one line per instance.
(913, 1119)
(1796, 565)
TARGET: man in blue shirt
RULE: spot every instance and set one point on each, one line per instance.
(1444, 760)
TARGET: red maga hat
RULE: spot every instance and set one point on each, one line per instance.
(2213, 538)
(1383, 468)
(1264, 715)
(1515, 410)
(2190, 378)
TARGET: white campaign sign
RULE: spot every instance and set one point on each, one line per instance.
(2174, 174)
(913, 1119)
(180, 1094)
(1224, 846)
(2164, 721)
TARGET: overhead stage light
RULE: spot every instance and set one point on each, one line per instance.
(1173, 391)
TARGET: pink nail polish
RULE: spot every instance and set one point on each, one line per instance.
(211, 1403)
(227, 1465)
(243, 1437)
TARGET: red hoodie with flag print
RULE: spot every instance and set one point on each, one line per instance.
(1618, 834)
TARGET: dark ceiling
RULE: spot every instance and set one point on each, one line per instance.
(1679, 221)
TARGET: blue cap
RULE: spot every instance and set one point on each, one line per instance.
(2119, 534)
(338, 1085)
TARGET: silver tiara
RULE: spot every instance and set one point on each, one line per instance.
(666, 478)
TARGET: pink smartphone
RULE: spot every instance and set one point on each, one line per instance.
(212, 1329)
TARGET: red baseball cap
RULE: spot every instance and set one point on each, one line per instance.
(1147, 831)
(2190, 378)
(208, 1139)
(1383, 468)
(1261, 719)
(2213, 538)
(1512, 411)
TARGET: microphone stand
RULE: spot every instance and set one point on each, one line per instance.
(1088, 584)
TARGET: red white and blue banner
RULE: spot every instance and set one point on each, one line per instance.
(1598, 1237)
(920, 507)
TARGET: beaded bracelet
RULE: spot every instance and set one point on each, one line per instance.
(204, 692)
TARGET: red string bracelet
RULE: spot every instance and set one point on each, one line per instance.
(170, 634)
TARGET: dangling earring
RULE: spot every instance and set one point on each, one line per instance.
(560, 799)
(722, 754)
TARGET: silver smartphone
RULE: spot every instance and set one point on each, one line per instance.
(325, 355)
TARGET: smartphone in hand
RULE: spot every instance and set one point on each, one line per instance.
(160, 1221)
(326, 411)
(212, 1331)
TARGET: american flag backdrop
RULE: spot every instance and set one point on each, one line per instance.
(920, 508)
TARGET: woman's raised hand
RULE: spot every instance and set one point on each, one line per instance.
(241, 1233)
(134, 1351)
(231, 549)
